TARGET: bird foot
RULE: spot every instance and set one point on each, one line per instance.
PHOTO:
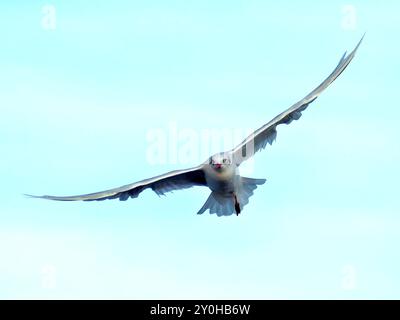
(237, 205)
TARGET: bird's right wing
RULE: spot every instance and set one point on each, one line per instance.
(267, 133)
(174, 180)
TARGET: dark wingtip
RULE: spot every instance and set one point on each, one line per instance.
(34, 197)
(359, 42)
(343, 57)
(29, 195)
(352, 53)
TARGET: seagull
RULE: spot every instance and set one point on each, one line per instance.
(230, 191)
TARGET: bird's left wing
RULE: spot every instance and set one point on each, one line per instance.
(267, 133)
(174, 180)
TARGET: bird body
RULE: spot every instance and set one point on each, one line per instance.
(230, 192)
(221, 177)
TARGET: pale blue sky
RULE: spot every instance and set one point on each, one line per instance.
(77, 104)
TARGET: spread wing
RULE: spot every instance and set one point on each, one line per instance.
(174, 180)
(267, 133)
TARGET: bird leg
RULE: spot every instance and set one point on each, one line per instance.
(237, 205)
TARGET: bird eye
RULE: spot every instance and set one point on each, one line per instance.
(225, 161)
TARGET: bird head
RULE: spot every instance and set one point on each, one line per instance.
(220, 161)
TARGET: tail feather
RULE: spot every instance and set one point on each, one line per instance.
(224, 205)
(219, 204)
(247, 188)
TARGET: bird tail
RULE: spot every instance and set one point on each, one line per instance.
(246, 189)
(224, 205)
(218, 203)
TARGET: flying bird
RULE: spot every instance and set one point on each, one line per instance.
(230, 192)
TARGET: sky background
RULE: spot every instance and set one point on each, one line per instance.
(83, 85)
